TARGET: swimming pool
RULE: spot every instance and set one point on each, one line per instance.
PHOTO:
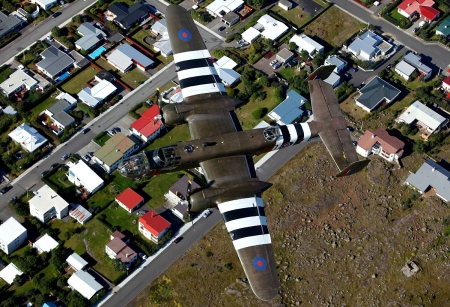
(97, 52)
(63, 76)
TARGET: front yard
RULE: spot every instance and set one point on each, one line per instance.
(76, 84)
(133, 78)
(5, 74)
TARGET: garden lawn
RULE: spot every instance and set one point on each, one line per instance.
(101, 141)
(396, 15)
(157, 187)
(64, 227)
(134, 78)
(47, 103)
(333, 26)
(288, 72)
(105, 65)
(103, 196)
(5, 74)
(139, 37)
(76, 84)
(118, 216)
(176, 134)
(293, 15)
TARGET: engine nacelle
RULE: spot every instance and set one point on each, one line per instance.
(171, 116)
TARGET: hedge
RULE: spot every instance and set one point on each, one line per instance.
(388, 9)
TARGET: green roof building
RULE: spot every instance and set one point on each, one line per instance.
(118, 147)
(444, 28)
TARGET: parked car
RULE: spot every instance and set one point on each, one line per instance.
(99, 25)
(222, 28)
(350, 128)
(354, 143)
(56, 14)
(353, 69)
(44, 173)
(116, 129)
(177, 240)
(50, 38)
(13, 198)
(206, 213)
(86, 130)
(86, 158)
(5, 189)
(141, 212)
(276, 65)
(54, 165)
(65, 156)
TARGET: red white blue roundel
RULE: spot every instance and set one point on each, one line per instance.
(185, 35)
(260, 263)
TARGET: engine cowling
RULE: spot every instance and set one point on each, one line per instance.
(171, 116)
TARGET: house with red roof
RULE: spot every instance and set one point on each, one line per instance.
(153, 226)
(380, 142)
(446, 84)
(129, 200)
(422, 7)
(149, 125)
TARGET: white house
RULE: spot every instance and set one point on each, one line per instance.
(125, 57)
(404, 70)
(47, 204)
(45, 4)
(288, 110)
(91, 36)
(446, 84)
(219, 8)
(224, 67)
(12, 235)
(84, 283)
(285, 4)
(82, 175)
(149, 125)
(16, 82)
(27, 137)
(368, 46)
(9, 273)
(423, 117)
(159, 27)
(177, 192)
(333, 79)
(54, 62)
(416, 61)
(114, 151)
(379, 142)
(153, 226)
(336, 61)
(129, 200)
(250, 35)
(97, 94)
(270, 28)
(304, 42)
(76, 262)
(45, 244)
(375, 92)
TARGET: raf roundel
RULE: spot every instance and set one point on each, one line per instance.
(259, 263)
(185, 35)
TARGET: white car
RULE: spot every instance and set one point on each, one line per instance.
(206, 213)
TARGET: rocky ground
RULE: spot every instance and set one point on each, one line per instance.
(337, 242)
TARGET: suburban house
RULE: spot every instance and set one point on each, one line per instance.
(12, 235)
(54, 62)
(9, 273)
(224, 67)
(126, 17)
(76, 262)
(10, 23)
(289, 110)
(284, 56)
(230, 19)
(118, 249)
(45, 4)
(404, 70)
(58, 113)
(422, 7)
(444, 28)
(333, 79)
(153, 226)
(368, 46)
(125, 56)
(79, 213)
(446, 84)
(219, 8)
(159, 27)
(149, 125)
(84, 283)
(16, 82)
(129, 200)
(340, 64)
(82, 175)
(285, 4)
(163, 44)
(270, 28)
(27, 137)
(47, 204)
(250, 35)
(426, 120)
(306, 43)
(431, 177)
(177, 192)
(118, 147)
(91, 36)
(45, 244)
(375, 92)
(415, 61)
(93, 96)
(381, 143)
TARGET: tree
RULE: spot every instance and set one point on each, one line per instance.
(292, 46)
(318, 60)
(118, 265)
(264, 81)
(304, 54)
(56, 32)
(77, 18)
(259, 113)
(419, 147)
(58, 258)
(76, 300)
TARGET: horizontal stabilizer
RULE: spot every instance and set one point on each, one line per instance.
(353, 168)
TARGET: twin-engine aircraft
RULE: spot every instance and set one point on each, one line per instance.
(224, 151)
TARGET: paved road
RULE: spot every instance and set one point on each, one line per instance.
(31, 33)
(435, 56)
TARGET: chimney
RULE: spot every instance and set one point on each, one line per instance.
(126, 255)
(433, 169)
(373, 136)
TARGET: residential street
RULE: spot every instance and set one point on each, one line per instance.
(435, 55)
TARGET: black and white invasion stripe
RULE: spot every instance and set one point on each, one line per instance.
(197, 73)
(246, 222)
(292, 134)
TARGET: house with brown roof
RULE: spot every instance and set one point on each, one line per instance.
(114, 151)
(381, 143)
(118, 249)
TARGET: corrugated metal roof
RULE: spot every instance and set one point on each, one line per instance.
(431, 174)
(289, 110)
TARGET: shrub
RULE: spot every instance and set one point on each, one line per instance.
(259, 113)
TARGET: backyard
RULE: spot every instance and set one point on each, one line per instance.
(295, 15)
(5, 74)
(76, 84)
(157, 187)
(333, 26)
(47, 103)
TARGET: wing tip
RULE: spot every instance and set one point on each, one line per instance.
(353, 168)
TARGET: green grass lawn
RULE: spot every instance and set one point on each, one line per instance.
(101, 141)
(63, 227)
(105, 65)
(396, 15)
(295, 15)
(165, 60)
(177, 134)
(103, 196)
(47, 103)
(140, 35)
(157, 187)
(333, 26)
(5, 74)
(288, 72)
(133, 78)
(118, 216)
(75, 85)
